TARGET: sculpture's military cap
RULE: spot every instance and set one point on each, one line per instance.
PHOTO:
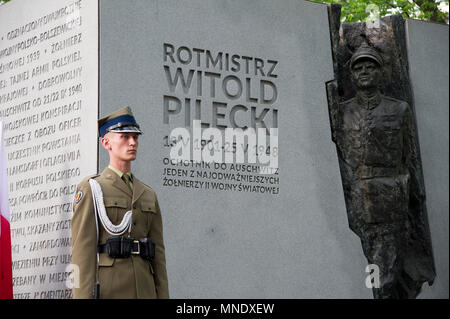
(367, 52)
(120, 121)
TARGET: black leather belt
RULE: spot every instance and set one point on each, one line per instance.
(124, 247)
(372, 171)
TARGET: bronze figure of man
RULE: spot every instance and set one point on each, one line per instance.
(375, 135)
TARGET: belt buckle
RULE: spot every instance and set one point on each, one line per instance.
(138, 252)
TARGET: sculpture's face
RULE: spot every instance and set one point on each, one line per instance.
(366, 74)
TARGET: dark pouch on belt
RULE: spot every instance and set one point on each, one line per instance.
(147, 248)
(119, 247)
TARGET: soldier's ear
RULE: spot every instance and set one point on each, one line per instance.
(105, 143)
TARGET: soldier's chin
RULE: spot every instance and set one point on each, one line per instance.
(132, 157)
(366, 85)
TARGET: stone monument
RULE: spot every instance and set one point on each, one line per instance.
(48, 104)
(192, 70)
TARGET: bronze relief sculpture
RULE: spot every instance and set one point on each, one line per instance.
(379, 160)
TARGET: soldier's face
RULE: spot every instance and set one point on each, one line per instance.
(121, 146)
(366, 74)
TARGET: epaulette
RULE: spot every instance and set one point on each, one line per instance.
(392, 99)
(87, 178)
(149, 187)
(348, 101)
(399, 105)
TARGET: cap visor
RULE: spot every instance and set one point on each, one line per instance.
(126, 129)
(366, 56)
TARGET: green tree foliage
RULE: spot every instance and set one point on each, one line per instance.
(367, 10)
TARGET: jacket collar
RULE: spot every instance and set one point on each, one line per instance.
(114, 179)
(368, 103)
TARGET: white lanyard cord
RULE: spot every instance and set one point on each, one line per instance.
(99, 208)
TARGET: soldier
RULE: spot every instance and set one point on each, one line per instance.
(375, 144)
(117, 234)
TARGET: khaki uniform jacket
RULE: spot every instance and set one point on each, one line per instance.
(132, 277)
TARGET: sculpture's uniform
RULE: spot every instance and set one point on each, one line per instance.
(375, 145)
(382, 180)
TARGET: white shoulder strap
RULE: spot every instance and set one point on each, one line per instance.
(100, 210)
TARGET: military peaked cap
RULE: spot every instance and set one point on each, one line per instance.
(366, 51)
(121, 121)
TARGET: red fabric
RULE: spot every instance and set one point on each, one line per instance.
(6, 286)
